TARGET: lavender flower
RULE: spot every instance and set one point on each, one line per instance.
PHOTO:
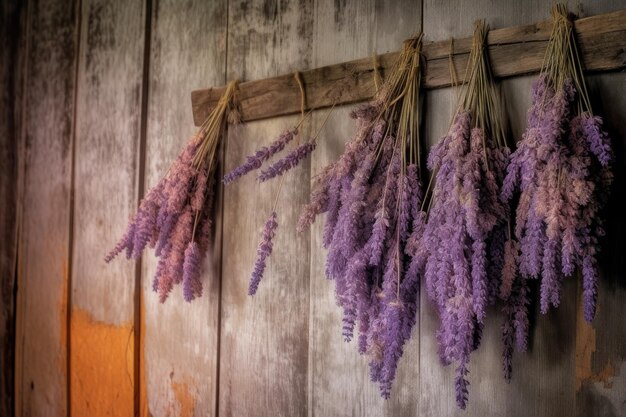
(597, 139)
(319, 201)
(192, 287)
(255, 160)
(291, 160)
(165, 221)
(263, 252)
(559, 168)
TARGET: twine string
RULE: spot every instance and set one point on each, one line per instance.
(378, 79)
(298, 77)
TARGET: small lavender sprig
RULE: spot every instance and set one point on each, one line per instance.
(255, 160)
(192, 287)
(291, 160)
(263, 252)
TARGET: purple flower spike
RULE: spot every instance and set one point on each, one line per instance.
(192, 286)
(597, 139)
(263, 252)
(255, 160)
(291, 160)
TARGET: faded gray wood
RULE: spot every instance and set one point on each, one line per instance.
(264, 342)
(48, 103)
(180, 339)
(339, 382)
(108, 112)
(514, 51)
(10, 76)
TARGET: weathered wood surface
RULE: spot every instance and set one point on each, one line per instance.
(513, 50)
(280, 352)
(264, 339)
(11, 13)
(339, 379)
(106, 174)
(48, 106)
(179, 339)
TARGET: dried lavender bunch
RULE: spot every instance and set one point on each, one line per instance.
(376, 277)
(175, 217)
(561, 171)
(464, 242)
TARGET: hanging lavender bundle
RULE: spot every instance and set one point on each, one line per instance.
(466, 241)
(174, 217)
(561, 170)
(375, 275)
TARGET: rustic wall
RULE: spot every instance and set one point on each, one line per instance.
(106, 110)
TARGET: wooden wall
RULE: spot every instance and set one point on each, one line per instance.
(106, 109)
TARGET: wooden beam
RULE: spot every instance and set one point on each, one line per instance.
(513, 51)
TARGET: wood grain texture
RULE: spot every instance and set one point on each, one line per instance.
(48, 103)
(180, 339)
(106, 176)
(339, 381)
(10, 76)
(264, 343)
(514, 51)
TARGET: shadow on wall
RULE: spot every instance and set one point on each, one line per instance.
(612, 257)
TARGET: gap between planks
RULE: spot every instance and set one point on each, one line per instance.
(513, 51)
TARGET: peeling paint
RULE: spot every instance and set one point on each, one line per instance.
(62, 359)
(185, 400)
(101, 367)
(585, 348)
(143, 387)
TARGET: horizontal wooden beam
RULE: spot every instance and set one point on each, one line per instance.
(513, 51)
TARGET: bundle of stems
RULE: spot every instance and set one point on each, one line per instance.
(375, 274)
(561, 172)
(175, 217)
(466, 250)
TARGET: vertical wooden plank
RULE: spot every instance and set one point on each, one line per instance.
(44, 243)
(108, 115)
(180, 339)
(339, 383)
(264, 339)
(601, 345)
(10, 76)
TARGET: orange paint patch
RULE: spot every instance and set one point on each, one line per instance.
(143, 390)
(101, 367)
(63, 319)
(186, 401)
(585, 348)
